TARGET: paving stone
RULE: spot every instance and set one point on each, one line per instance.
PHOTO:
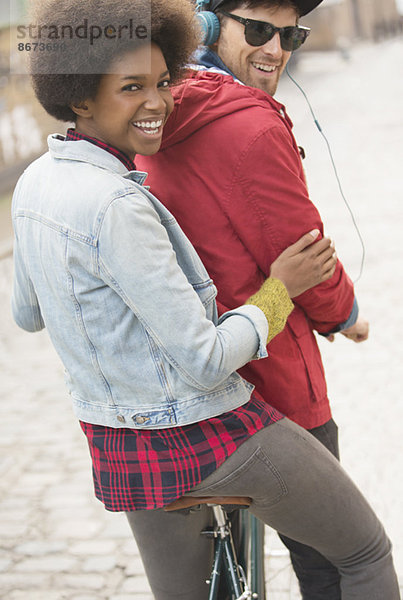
(99, 564)
(136, 584)
(13, 529)
(81, 581)
(40, 479)
(84, 597)
(15, 503)
(133, 596)
(92, 547)
(5, 565)
(133, 565)
(21, 515)
(80, 530)
(130, 547)
(41, 548)
(116, 527)
(66, 500)
(7, 546)
(43, 466)
(44, 594)
(28, 491)
(23, 581)
(57, 515)
(47, 564)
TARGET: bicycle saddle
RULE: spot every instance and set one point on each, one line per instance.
(189, 501)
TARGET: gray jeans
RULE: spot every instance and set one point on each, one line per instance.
(300, 490)
(318, 579)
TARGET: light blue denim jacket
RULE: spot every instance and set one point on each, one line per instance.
(126, 300)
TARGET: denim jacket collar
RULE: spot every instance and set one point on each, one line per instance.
(83, 151)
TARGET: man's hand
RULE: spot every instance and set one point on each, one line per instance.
(358, 332)
(305, 264)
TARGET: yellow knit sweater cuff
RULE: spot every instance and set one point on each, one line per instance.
(274, 301)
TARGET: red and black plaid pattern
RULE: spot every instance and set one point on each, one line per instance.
(137, 469)
(72, 135)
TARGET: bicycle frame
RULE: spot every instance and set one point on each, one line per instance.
(250, 560)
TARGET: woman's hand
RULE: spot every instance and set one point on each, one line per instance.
(305, 264)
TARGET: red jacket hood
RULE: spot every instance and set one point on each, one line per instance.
(206, 96)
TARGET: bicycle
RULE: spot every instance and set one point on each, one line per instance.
(244, 571)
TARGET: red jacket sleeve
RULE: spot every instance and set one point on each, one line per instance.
(269, 207)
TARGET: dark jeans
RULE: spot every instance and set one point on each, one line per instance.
(299, 489)
(318, 579)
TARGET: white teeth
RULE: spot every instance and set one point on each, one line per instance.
(148, 125)
(263, 67)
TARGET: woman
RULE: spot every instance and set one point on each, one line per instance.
(131, 312)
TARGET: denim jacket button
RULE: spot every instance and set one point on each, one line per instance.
(140, 420)
(121, 419)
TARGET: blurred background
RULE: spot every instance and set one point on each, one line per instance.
(336, 25)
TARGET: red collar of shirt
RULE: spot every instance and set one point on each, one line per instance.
(73, 135)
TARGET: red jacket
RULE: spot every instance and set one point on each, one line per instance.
(230, 171)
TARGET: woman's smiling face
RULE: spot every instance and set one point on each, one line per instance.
(132, 103)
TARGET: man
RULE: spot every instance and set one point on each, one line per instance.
(230, 170)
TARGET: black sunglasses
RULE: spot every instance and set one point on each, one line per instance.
(257, 33)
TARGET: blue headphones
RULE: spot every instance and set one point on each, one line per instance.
(208, 20)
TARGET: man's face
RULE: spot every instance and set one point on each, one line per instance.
(257, 66)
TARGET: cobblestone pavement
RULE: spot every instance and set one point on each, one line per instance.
(56, 541)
